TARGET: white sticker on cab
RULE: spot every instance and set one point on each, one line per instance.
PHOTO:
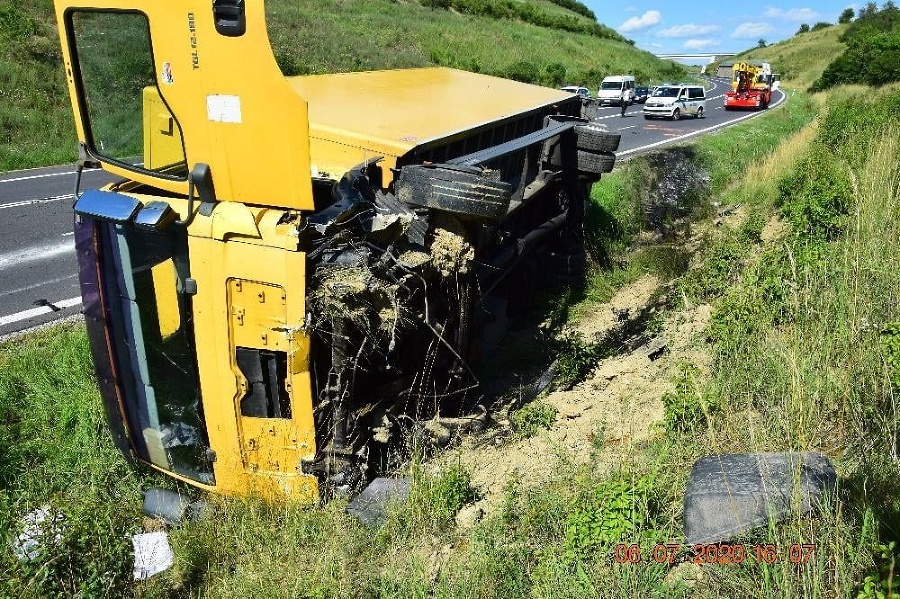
(223, 109)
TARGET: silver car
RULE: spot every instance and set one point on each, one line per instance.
(676, 101)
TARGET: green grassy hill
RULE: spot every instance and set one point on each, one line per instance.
(331, 36)
(802, 58)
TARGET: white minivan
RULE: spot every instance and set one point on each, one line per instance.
(675, 101)
(611, 88)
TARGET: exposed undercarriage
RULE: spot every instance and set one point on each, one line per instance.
(404, 299)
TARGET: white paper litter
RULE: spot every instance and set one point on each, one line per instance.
(42, 525)
(152, 554)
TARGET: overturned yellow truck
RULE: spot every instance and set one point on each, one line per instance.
(295, 272)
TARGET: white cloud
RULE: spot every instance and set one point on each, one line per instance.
(687, 30)
(699, 44)
(751, 30)
(648, 19)
(794, 14)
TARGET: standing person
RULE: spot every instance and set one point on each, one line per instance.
(627, 98)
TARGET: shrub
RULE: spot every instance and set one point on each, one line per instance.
(618, 506)
(576, 358)
(436, 498)
(815, 197)
(533, 417)
(524, 71)
(686, 407)
(556, 74)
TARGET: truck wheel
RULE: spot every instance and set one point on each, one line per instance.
(588, 162)
(452, 188)
(676, 115)
(595, 138)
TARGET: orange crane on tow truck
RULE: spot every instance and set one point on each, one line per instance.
(751, 86)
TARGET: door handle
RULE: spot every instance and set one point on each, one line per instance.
(229, 17)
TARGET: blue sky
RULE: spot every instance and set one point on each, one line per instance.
(701, 27)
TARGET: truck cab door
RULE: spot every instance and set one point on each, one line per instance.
(160, 86)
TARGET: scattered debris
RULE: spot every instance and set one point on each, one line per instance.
(42, 526)
(171, 507)
(371, 505)
(152, 554)
(734, 493)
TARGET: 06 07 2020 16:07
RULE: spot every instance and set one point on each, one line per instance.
(714, 553)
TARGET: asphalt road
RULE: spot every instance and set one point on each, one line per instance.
(38, 269)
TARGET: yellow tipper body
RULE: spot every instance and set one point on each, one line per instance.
(357, 116)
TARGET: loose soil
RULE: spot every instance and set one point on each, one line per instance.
(600, 418)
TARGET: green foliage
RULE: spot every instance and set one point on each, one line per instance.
(820, 25)
(815, 197)
(556, 74)
(890, 344)
(720, 268)
(576, 7)
(524, 71)
(436, 498)
(686, 408)
(846, 16)
(872, 56)
(55, 451)
(314, 37)
(804, 28)
(83, 552)
(576, 358)
(530, 13)
(620, 506)
(533, 417)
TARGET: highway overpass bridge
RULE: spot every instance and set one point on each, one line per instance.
(700, 58)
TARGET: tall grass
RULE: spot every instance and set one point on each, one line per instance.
(800, 352)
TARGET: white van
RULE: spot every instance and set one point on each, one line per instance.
(611, 88)
(675, 101)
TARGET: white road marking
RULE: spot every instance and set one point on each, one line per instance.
(67, 196)
(628, 127)
(44, 175)
(699, 131)
(67, 234)
(30, 177)
(39, 311)
(35, 285)
(36, 253)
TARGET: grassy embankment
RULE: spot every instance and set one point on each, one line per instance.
(313, 37)
(800, 59)
(804, 339)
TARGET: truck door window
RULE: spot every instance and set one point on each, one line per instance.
(123, 111)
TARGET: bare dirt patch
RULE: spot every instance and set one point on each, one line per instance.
(599, 419)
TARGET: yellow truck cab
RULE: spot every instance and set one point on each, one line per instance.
(293, 273)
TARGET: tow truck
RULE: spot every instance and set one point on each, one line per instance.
(751, 86)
